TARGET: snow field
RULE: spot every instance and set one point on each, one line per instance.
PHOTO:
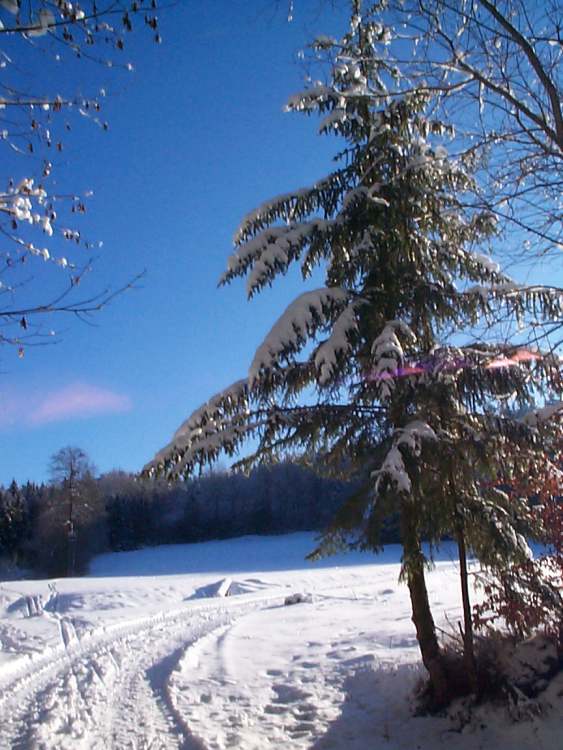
(205, 656)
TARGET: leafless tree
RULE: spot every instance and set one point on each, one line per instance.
(69, 465)
(68, 468)
(499, 66)
(36, 111)
(494, 67)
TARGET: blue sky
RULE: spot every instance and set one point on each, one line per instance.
(197, 139)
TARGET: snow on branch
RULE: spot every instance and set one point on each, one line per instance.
(300, 320)
(317, 201)
(413, 434)
(204, 446)
(392, 470)
(389, 355)
(225, 400)
(29, 203)
(283, 206)
(310, 99)
(337, 344)
(525, 292)
(220, 424)
(271, 251)
(488, 263)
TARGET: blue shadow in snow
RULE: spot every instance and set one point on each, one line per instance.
(243, 555)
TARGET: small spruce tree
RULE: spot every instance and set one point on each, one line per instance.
(375, 375)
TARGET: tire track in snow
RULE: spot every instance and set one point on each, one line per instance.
(143, 716)
(96, 693)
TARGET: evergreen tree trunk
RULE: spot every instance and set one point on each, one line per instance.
(421, 613)
(468, 647)
(467, 632)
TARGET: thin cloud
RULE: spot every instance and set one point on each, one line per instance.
(77, 400)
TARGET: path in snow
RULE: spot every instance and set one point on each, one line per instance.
(111, 690)
(152, 663)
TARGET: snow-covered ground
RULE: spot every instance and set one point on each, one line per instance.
(149, 652)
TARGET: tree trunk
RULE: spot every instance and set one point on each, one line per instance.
(413, 561)
(468, 649)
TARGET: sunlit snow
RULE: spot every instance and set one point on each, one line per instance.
(191, 646)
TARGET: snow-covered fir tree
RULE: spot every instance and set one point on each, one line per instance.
(379, 374)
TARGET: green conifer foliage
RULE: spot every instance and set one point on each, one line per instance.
(13, 522)
(379, 374)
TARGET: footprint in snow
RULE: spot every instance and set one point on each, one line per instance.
(289, 694)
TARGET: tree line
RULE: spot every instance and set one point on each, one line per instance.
(55, 529)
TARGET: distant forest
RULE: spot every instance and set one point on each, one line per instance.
(116, 511)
